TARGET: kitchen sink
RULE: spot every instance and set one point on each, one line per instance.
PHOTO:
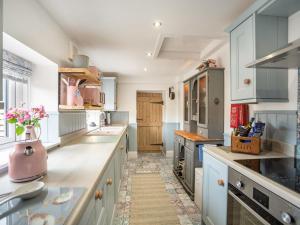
(107, 131)
(93, 139)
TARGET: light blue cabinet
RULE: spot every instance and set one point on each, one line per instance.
(215, 187)
(256, 37)
(242, 52)
(89, 217)
(101, 208)
(109, 199)
(109, 87)
(118, 168)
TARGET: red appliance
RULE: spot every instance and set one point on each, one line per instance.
(239, 115)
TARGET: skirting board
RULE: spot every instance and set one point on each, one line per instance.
(169, 153)
(132, 155)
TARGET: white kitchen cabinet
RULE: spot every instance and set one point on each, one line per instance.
(254, 38)
(215, 187)
(109, 87)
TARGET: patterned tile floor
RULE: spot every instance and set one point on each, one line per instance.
(187, 211)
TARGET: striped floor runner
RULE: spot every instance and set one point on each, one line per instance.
(150, 203)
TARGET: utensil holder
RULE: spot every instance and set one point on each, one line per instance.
(248, 145)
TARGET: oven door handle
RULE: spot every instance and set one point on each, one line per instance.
(248, 208)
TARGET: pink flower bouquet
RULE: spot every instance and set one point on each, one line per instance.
(23, 117)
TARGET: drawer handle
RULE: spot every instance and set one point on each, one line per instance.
(247, 81)
(221, 182)
(98, 195)
(109, 181)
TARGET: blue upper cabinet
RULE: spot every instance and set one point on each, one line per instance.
(254, 35)
(241, 52)
(109, 87)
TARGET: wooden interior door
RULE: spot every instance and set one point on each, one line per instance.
(149, 121)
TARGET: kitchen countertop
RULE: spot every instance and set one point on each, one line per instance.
(68, 167)
(194, 137)
(224, 155)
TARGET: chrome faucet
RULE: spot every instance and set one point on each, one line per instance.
(102, 118)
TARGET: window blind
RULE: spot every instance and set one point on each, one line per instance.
(16, 68)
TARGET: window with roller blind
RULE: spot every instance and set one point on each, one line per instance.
(16, 83)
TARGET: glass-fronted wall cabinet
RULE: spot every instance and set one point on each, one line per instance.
(194, 102)
(186, 108)
(186, 90)
(204, 103)
(211, 103)
(202, 117)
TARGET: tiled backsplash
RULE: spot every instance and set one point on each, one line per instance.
(281, 129)
(71, 121)
(49, 128)
(119, 117)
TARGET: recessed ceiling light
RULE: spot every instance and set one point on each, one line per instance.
(149, 54)
(145, 69)
(157, 24)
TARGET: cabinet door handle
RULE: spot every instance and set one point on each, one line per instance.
(109, 181)
(247, 81)
(221, 182)
(122, 147)
(98, 195)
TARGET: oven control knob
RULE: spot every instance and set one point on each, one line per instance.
(286, 218)
(239, 184)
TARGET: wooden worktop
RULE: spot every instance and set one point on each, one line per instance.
(194, 137)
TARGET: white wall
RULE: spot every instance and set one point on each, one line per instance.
(29, 23)
(44, 80)
(44, 86)
(128, 86)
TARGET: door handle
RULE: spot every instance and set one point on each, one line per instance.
(221, 182)
(98, 195)
(247, 81)
(161, 144)
(160, 102)
(109, 181)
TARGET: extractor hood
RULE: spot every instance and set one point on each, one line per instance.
(284, 58)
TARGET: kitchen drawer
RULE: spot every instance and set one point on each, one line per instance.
(180, 139)
(190, 144)
(203, 131)
(89, 216)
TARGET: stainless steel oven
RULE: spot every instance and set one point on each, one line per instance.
(251, 204)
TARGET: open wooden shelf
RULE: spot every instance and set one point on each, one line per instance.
(86, 107)
(92, 77)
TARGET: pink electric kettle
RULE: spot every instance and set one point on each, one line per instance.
(28, 161)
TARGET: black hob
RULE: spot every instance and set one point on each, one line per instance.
(285, 171)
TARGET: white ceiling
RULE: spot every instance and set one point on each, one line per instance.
(117, 34)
